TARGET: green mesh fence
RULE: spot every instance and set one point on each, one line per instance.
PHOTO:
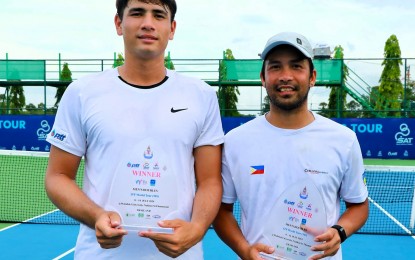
(243, 69)
(329, 72)
(22, 70)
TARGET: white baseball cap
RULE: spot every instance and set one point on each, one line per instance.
(294, 39)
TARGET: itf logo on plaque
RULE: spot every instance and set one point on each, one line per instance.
(144, 188)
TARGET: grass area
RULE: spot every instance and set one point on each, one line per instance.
(389, 162)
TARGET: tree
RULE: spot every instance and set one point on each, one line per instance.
(323, 105)
(371, 100)
(2, 103)
(66, 75)
(227, 95)
(323, 109)
(17, 99)
(409, 95)
(265, 105)
(41, 106)
(168, 63)
(30, 107)
(118, 61)
(353, 109)
(337, 94)
(390, 88)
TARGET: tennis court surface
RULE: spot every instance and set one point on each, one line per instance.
(42, 232)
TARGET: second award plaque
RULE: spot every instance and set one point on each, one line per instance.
(297, 217)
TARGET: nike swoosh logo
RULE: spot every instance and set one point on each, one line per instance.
(177, 110)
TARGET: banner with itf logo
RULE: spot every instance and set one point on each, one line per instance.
(25, 133)
(384, 138)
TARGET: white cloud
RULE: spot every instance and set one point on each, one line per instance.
(84, 29)
(79, 29)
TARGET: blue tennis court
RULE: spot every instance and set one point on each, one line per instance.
(51, 241)
(45, 241)
(23, 199)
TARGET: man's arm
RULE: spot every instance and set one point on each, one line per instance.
(228, 230)
(209, 186)
(66, 195)
(205, 206)
(353, 218)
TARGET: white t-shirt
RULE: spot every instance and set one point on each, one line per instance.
(104, 119)
(324, 150)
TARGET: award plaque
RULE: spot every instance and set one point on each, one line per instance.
(144, 189)
(297, 217)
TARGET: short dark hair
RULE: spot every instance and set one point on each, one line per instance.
(170, 4)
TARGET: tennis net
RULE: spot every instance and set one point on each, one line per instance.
(23, 198)
(391, 200)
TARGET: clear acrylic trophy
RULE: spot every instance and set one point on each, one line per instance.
(144, 189)
(298, 216)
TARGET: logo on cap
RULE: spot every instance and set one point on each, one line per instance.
(299, 41)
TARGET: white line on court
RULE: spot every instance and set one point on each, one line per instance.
(391, 217)
(4, 229)
(44, 214)
(64, 254)
(27, 220)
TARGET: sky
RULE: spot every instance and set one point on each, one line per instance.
(80, 29)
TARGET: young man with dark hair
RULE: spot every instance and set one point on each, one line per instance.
(138, 110)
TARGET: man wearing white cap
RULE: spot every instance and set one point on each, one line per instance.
(284, 146)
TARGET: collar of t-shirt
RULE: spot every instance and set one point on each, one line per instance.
(145, 87)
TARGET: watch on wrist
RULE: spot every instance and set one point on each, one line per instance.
(342, 232)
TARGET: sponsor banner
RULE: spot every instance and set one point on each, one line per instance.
(383, 138)
(229, 123)
(25, 133)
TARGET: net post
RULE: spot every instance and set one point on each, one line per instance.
(412, 219)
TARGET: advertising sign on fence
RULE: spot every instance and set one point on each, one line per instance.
(383, 138)
(25, 133)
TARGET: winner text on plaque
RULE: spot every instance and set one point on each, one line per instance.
(144, 189)
(297, 217)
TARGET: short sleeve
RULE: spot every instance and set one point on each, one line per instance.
(212, 132)
(353, 188)
(229, 192)
(67, 132)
